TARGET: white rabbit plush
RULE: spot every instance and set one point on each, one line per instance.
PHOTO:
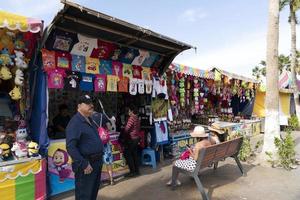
(19, 78)
(19, 60)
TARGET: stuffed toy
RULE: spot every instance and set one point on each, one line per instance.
(5, 57)
(15, 93)
(33, 149)
(19, 77)
(20, 146)
(20, 60)
(5, 152)
(182, 92)
(5, 74)
(19, 42)
(196, 95)
(6, 39)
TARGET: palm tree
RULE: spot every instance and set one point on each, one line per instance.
(294, 5)
(272, 127)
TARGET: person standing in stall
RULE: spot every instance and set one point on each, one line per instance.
(131, 133)
(60, 121)
(86, 150)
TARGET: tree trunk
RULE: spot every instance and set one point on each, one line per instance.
(294, 58)
(272, 127)
(293, 45)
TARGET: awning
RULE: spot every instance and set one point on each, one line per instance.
(235, 76)
(21, 23)
(78, 19)
(192, 71)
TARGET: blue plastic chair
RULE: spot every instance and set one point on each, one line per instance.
(148, 157)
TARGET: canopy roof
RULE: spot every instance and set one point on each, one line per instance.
(21, 23)
(78, 19)
(235, 76)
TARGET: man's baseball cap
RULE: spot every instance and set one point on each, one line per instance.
(85, 99)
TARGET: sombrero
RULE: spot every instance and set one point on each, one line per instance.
(216, 128)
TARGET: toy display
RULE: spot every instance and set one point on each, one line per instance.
(33, 149)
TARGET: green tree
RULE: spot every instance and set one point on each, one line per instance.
(294, 5)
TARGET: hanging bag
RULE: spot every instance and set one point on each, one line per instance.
(103, 133)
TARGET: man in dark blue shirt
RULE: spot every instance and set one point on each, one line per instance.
(85, 148)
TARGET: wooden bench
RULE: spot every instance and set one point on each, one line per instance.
(211, 156)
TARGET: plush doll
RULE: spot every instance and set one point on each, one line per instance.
(19, 77)
(20, 146)
(15, 93)
(20, 60)
(5, 58)
(20, 150)
(5, 74)
(19, 42)
(182, 92)
(33, 149)
(196, 94)
(5, 152)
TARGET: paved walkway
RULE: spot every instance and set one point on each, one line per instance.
(226, 183)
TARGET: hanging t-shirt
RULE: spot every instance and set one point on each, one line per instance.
(63, 60)
(117, 68)
(141, 86)
(78, 63)
(133, 86)
(61, 41)
(148, 85)
(161, 132)
(48, 59)
(127, 70)
(140, 58)
(123, 84)
(159, 88)
(92, 65)
(149, 61)
(128, 54)
(56, 78)
(100, 83)
(104, 50)
(116, 54)
(146, 73)
(86, 83)
(112, 83)
(85, 46)
(137, 72)
(105, 67)
(72, 80)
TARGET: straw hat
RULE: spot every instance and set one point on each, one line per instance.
(216, 128)
(199, 132)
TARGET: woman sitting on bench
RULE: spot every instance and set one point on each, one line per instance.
(206, 139)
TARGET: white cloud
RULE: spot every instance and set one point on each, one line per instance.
(241, 56)
(192, 15)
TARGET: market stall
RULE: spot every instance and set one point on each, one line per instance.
(200, 97)
(85, 51)
(22, 169)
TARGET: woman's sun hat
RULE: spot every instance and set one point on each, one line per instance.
(199, 131)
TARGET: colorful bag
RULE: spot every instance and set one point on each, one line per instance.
(103, 133)
(185, 155)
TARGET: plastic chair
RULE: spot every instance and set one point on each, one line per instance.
(146, 154)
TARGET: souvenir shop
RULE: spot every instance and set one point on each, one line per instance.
(22, 169)
(205, 97)
(117, 63)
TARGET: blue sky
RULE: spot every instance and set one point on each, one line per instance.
(228, 34)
